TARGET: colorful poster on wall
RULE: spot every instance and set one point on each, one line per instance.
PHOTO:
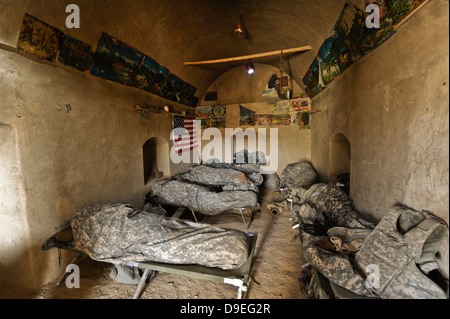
(188, 91)
(219, 110)
(218, 122)
(351, 27)
(203, 111)
(281, 106)
(281, 119)
(205, 123)
(192, 102)
(151, 76)
(351, 39)
(39, 39)
(116, 61)
(75, 53)
(246, 116)
(334, 57)
(263, 119)
(303, 121)
(172, 89)
(397, 10)
(273, 119)
(188, 100)
(179, 91)
(300, 105)
(311, 79)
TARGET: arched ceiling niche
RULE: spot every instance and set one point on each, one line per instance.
(235, 86)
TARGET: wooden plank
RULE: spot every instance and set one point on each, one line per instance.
(252, 56)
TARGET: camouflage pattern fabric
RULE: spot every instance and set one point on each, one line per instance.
(337, 207)
(207, 175)
(319, 209)
(299, 175)
(324, 206)
(256, 178)
(118, 233)
(337, 268)
(397, 253)
(271, 181)
(246, 168)
(199, 198)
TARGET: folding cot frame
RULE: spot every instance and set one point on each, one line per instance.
(245, 212)
(239, 277)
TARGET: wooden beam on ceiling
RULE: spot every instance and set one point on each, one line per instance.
(252, 56)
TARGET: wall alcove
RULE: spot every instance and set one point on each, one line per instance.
(339, 157)
(156, 157)
(13, 223)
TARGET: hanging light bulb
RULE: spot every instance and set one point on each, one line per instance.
(249, 67)
(239, 30)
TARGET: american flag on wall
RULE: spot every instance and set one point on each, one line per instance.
(185, 138)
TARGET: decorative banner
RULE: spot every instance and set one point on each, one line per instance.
(218, 122)
(75, 53)
(281, 119)
(284, 81)
(246, 116)
(294, 105)
(203, 111)
(263, 119)
(281, 107)
(303, 121)
(39, 39)
(273, 119)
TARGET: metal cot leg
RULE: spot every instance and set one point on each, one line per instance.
(141, 284)
(65, 274)
(241, 210)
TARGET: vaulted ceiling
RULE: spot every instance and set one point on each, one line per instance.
(176, 31)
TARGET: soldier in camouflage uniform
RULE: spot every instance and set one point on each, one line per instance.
(118, 233)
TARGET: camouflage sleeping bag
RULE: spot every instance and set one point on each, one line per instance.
(299, 175)
(230, 179)
(199, 198)
(118, 233)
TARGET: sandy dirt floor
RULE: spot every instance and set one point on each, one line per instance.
(275, 272)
